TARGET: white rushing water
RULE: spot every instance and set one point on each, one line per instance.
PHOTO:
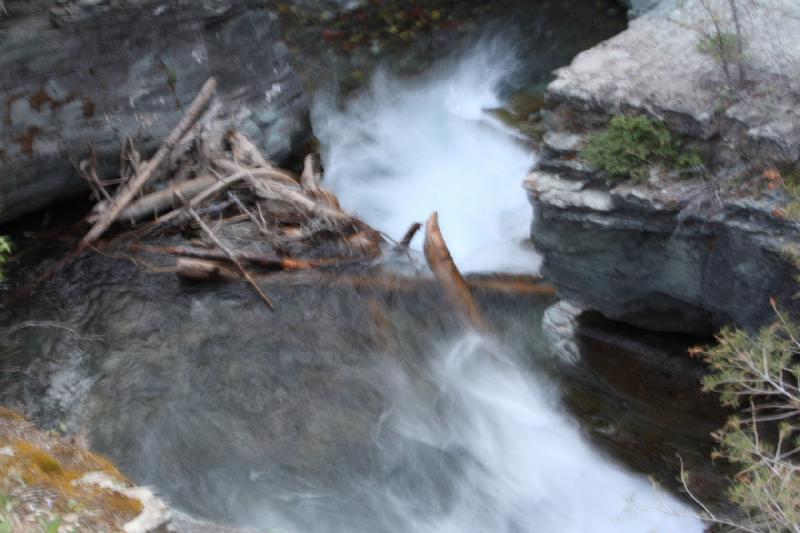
(473, 443)
(528, 467)
(406, 149)
(509, 459)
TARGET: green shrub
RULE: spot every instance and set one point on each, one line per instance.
(760, 375)
(633, 145)
(5, 251)
(791, 184)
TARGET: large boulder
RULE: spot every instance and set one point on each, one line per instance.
(655, 258)
(89, 73)
(676, 255)
(657, 67)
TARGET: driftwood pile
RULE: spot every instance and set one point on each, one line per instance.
(250, 214)
(245, 215)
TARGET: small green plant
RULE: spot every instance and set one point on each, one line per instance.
(722, 47)
(791, 184)
(6, 507)
(5, 251)
(633, 145)
(760, 376)
(50, 526)
(725, 42)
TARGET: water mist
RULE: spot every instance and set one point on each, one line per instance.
(407, 148)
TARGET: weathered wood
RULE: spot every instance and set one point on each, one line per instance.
(163, 201)
(202, 270)
(311, 182)
(441, 263)
(132, 188)
(264, 260)
(405, 242)
(227, 251)
(216, 188)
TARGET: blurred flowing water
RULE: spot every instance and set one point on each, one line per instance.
(404, 149)
(354, 408)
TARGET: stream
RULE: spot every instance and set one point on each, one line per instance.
(353, 408)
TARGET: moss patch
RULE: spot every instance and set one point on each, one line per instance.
(633, 146)
(791, 184)
(41, 473)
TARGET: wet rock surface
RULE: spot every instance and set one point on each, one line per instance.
(628, 385)
(81, 76)
(338, 45)
(227, 407)
(642, 254)
(674, 255)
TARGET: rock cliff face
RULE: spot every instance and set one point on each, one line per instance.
(673, 255)
(87, 73)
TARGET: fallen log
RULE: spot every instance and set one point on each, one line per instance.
(444, 268)
(273, 261)
(163, 201)
(202, 270)
(132, 188)
(398, 283)
(217, 270)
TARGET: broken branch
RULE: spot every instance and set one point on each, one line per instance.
(444, 268)
(132, 188)
(227, 251)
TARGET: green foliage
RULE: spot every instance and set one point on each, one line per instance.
(6, 506)
(633, 145)
(5, 251)
(791, 184)
(50, 526)
(760, 375)
(723, 47)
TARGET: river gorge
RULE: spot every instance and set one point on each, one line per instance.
(363, 403)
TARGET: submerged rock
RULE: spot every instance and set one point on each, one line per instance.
(83, 75)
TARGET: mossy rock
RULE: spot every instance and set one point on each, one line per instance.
(44, 480)
(634, 146)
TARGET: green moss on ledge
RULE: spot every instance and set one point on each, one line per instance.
(632, 146)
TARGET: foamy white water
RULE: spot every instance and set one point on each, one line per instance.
(528, 467)
(472, 442)
(407, 148)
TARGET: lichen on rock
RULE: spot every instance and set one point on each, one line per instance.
(54, 481)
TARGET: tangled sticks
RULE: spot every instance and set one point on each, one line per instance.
(252, 216)
(218, 179)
